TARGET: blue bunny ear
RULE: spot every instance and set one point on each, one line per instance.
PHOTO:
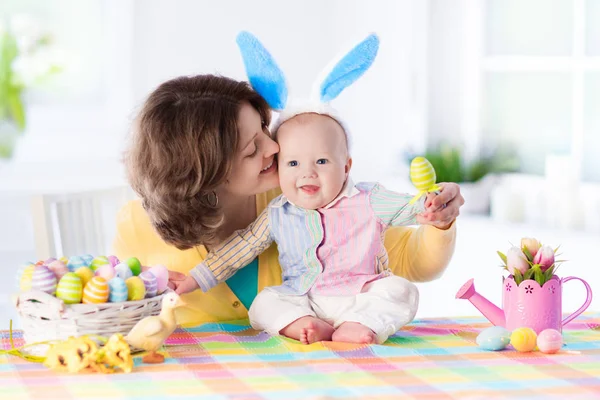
(351, 67)
(262, 70)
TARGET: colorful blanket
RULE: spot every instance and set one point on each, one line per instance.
(430, 359)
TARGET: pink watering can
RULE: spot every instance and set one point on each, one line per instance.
(526, 305)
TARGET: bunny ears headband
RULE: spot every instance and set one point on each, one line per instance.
(268, 79)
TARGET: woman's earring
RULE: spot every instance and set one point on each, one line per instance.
(212, 198)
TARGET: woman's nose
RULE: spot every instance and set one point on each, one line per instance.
(271, 147)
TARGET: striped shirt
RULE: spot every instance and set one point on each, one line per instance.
(330, 251)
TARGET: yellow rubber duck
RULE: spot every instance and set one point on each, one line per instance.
(150, 333)
(422, 176)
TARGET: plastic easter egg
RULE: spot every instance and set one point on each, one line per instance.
(26, 275)
(123, 271)
(106, 271)
(70, 288)
(75, 263)
(96, 291)
(59, 268)
(43, 280)
(422, 173)
(49, 260)
(162, 277)
(549, 341)
(39, 263)
(86, 275)
(87, 259)
(135, 288)
(150, 283)
(98, 261)
(118, 290)
(493, 338)
(523, 339)
(113, 260)
(64, 259)
(20, 271)
(134, 265)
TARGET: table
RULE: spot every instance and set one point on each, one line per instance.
(429, 359)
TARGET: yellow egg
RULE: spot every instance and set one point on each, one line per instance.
(85, 273)
(96, 291)
(523, 339)
(25, 283)
(136, 290)
(422, 174)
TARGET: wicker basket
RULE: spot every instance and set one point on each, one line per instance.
(45, 317)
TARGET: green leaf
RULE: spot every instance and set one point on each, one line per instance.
(528, 274)
(502, 256)
(527, 254)
(16, 108)
(518, 277)
(539, 276)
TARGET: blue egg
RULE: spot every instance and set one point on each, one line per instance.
(493, 338)
(87, 259)
(75, 263)
(118, 290)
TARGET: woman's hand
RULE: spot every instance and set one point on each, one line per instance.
(442, 209)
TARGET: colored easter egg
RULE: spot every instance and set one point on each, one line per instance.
(113, 260)
(135, 288)
(59, 268)
(87, 259)
(70, 288)
(75, 263)
(20, 271)
(49, 260)
(123, 271)
(98, 261)
(96, 291)
(86, 274)
(64, 259)
(523, 339)
(39, 263)
(43, 280)
(162, 277)
(26, 275)
(106, 271)
(493, 338)
(134, 265)
(549, 341)
(422, 173)
(150, 283)
(118, 290)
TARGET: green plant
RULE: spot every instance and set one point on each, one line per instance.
(450, 164)
(11, 103)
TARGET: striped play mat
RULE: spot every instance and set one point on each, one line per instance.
(429, 359)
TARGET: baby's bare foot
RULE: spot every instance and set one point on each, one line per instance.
(353, 332)
(316, 331)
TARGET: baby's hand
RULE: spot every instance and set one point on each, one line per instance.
(186, 285)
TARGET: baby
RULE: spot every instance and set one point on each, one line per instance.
(336, 284)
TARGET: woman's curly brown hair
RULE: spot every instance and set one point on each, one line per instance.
(183, 145)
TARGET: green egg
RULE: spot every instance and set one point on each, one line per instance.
(98, 261)
(70, 288)
(134, 265)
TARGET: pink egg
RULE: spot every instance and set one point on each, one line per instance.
(162, 277)
(44, 280)
(59, 268)
(113, 260)
(106, 271)
(549, 341)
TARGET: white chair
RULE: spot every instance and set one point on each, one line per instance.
(77, 223)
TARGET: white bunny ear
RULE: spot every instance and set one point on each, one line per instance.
(262, 70)
(351, 67)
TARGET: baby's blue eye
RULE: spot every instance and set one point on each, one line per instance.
(293, 163)
(321, 161)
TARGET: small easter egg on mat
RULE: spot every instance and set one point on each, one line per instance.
(113, 260)
(75, 263)
(123, 271)
(106, 271)
(118, 290)
(86, 274)
(523, 339)
(162, 277)
(43, 280)
(70, 288)
(59, 268)
(96, 291)
(98, 262)
(549, 341)
(493, 338)
(134, 265)
(136, 288)
(150, 283)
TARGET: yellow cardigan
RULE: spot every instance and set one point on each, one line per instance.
(419, 255)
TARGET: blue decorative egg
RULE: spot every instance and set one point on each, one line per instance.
(118, 290)
(493, 338)
(123, 271)
(87, 259)
(75, 263)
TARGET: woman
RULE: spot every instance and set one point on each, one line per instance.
(202, 162)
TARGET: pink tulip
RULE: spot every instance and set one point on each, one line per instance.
(531, 244)
(544, 257)
(516, 260)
